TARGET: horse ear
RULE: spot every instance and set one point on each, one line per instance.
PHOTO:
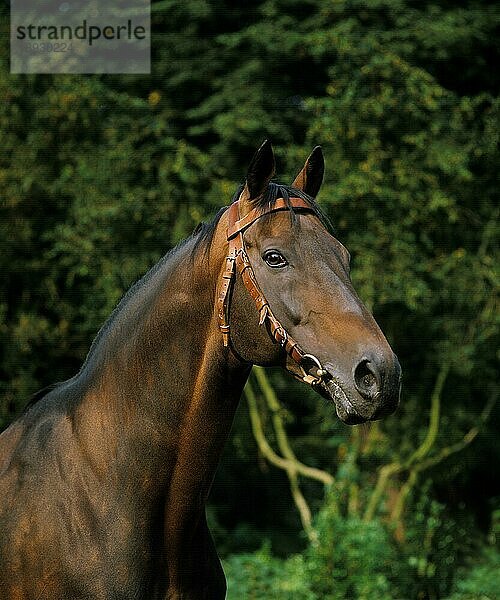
(260, 171)
(310, 178)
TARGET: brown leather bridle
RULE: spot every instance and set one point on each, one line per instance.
(237, 261)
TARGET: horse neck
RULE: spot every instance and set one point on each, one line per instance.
(162, 388)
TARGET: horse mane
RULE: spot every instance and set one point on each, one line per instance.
(110, 320)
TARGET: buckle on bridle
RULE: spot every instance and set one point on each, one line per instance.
(321, 373)
(281, 331)
(263, 314)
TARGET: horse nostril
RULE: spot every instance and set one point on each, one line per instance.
(366, 379)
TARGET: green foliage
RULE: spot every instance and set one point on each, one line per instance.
(435, 543)
(261, 575)
(101, 175)
(480, 582)
(357, 559)
(351, 560)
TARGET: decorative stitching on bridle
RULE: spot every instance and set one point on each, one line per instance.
(237, 261)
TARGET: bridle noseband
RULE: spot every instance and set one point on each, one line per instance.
(237, 262)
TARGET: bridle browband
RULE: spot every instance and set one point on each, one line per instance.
(237, 262)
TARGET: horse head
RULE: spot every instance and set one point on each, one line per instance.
(293, 302)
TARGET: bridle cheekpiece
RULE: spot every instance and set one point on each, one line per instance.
(237, 261)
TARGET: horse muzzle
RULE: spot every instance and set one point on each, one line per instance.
(372, 393)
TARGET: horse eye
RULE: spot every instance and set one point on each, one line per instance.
(274, 259)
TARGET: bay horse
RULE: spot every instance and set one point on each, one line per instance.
(104, 477)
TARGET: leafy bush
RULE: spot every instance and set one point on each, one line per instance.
(352, 559)
(261, 575)
(434, 546)
(482, 581)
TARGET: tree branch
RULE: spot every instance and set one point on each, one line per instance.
(281, 436)
(443, 453)
(435, 411)
(289, 466)
(391, 469)
(288, 462)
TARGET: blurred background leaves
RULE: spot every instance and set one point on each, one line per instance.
(101, 175)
